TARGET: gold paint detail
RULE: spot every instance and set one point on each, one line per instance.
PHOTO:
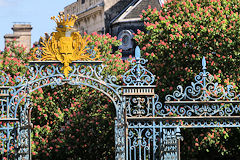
(65, 45)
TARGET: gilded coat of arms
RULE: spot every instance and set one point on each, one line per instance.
(66, 45)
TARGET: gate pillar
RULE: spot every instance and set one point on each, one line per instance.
(139, 99)
(24, 132)
(140, 132)
(120, 133)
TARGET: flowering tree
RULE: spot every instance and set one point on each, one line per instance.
(71, 122)
(13, 60)
(176, 39)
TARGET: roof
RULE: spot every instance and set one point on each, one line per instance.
(134, 9)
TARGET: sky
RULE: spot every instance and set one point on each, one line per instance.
(37, 12)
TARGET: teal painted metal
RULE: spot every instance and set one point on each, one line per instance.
(144, 127)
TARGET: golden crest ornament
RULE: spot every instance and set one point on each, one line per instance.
(66, 45)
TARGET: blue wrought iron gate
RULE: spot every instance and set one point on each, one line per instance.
(145, 128)
(153, 128)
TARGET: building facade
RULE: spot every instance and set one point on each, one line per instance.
(95, 15)
(117, 17)
(22, 34)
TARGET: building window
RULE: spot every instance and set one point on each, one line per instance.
(73, 10)
(127, 39)
(83, 1)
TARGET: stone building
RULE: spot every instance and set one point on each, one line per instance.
(22, 34)
(118, 17)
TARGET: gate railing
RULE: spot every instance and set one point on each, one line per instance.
(145, 128)
(7, 123)
(153, 128)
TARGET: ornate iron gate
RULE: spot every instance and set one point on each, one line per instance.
(16, 108)
(144, 127)
(153, 128)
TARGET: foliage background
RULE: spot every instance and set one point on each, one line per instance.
(175, 40)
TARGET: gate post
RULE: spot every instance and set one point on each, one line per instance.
(138, 100)
(120, 133)
(24, 132)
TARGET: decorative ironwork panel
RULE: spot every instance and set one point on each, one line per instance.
(203, 98)
(198, 122)
(204, 103)
(147, 140)
(140, 141)
(139, 106)
(168, 144)
(7, 140)
(138, 75)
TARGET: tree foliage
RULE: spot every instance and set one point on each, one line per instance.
(13, 60)
(176, 39)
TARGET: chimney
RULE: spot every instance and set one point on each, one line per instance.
(21, 33)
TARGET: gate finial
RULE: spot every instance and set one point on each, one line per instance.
(137, 52)
(138, 75)
(204, 63)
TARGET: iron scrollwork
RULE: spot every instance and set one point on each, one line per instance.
(145, 128)
(138, 75)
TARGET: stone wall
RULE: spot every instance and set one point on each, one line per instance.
(91, 20)
(71, 9)
(90, 15)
